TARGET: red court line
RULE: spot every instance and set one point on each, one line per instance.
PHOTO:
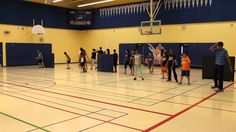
(73, 112)
(183, 111)
(98, 101)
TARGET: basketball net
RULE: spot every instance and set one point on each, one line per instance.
(38, 30)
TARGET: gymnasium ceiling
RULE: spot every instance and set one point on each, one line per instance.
(74, 3)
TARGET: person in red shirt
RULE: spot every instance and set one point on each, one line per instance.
(185, 68)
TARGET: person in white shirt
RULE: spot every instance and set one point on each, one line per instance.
(138, 65)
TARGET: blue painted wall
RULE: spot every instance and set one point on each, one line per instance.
(19, 12)
(20, 54)
(143, 49)
(221, 10)
(193, 50)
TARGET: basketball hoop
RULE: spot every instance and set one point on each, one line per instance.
(148, 32)
(38, 30)
(152, 26)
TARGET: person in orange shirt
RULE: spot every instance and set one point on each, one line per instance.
(185, 68)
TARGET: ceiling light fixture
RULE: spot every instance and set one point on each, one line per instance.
(54, 1)
(95, 3)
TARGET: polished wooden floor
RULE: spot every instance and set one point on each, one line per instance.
(61, 100)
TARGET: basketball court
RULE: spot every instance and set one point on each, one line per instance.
(59, 100)
(62, 99)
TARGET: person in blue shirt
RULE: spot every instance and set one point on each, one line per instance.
(221, 57)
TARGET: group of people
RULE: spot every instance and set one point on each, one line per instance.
(133, 59)
(84, 59)
(167, 61)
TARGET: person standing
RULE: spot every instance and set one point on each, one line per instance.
(138, 65)
(115, 59)
(185, 68)
(83, 59)
(131, 62)
(108, 52)
(221, 56)
(93, 59)
(150, 60)
(172, 63)
(100, 51)
(127, 59)
(68, 60)
(40, 59)
(164, 67)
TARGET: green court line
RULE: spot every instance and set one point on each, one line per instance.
(24, 122)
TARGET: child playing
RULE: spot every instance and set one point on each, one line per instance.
(68, 60)
(150, 60)
(83, 59)
(40, 59)
(185, 68)
(138, 65)
(164, 67)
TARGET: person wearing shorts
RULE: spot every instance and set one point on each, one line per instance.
(40, 59)
(185, 68)
(68, 60)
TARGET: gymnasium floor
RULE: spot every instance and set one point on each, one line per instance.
(60, 100)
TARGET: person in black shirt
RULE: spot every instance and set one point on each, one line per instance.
(93, 59)
(108, 52)
(115, 59)
(172, 63)
(100, 51)
(127, 60)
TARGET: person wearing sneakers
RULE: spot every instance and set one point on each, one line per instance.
(221, 58)
(185, 68)
(138, 65)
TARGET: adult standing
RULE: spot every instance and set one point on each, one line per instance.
(115, 59)
(172, 63)
(221, 56)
